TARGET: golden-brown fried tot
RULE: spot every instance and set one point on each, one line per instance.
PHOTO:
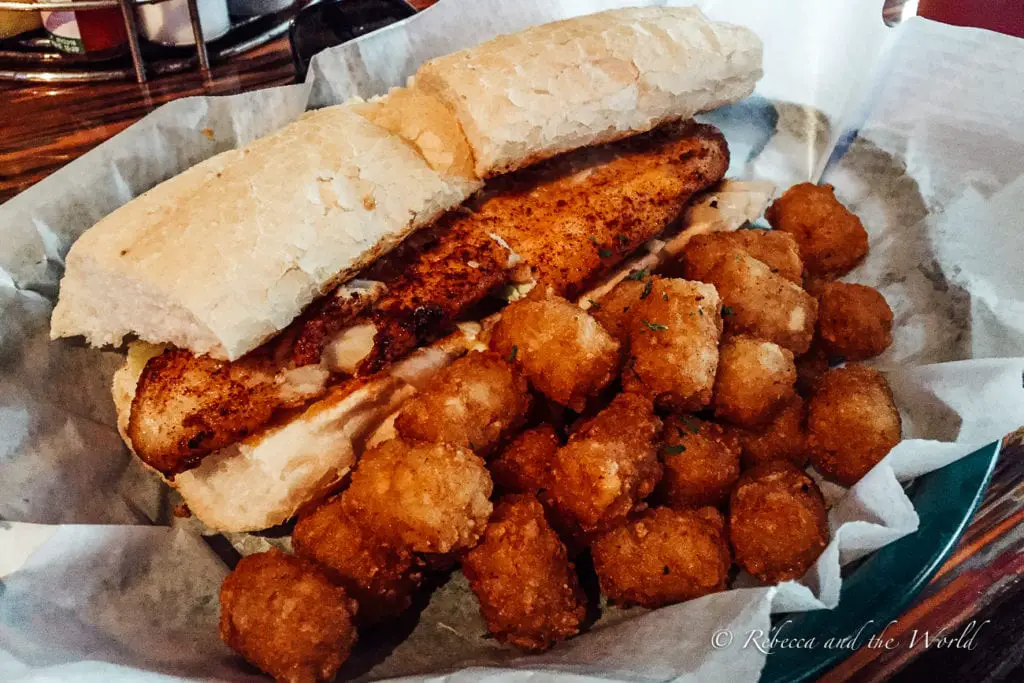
(755, 377)
(784, 438)
(852, 423)
(702, 462)
(615, 309)
(283, 614)
(524, 465)
(854, 321)
(608, 467)
(777, 522)
(382, 579)
(522, 576)
(774, 248)
(561, 349)
(664, 556)
(673, 344)
(474, 402)
(832, 239)
(427, 498)
(757, 302)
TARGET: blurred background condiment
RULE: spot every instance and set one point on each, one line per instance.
(77, 32)
(169, 23)
(12, 23)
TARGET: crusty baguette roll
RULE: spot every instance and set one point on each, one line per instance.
(265, 479)
(222, 257)
(531, 95)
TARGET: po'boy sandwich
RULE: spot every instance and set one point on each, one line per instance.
(289, 296)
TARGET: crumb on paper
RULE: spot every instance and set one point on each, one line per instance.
(182, 511)
(208, 132)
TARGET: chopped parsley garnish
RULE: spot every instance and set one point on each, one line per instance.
(691, 424)
(655, 327)
(512, 354)
(604, 253)
(594, 306)
(647, 288)
(637, 274)
(726, 311)
(674, 449)
(622, 238)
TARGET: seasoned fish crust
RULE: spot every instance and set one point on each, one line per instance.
(569, 221)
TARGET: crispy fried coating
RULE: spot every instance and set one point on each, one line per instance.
(702, 463)
(522, 576)
(524, 465)
(579, 215)
(614, 310)
(428, 498)
(777, 522)
(561, 349)
(832, 239)
(474, 402)
(283, 614)
(854, 321)
(608, 466)
(784, 438)
(852, 423)
(757, 302)
(187, 406)
(755, 378)
(673, 344)
(434, 285)
(810, 367)
(664, 556)
(382, 579)
(774, 248)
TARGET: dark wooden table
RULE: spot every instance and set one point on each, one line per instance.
(44, 127)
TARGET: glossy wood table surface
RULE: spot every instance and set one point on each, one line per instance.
(44, 127)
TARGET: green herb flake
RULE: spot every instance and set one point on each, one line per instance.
(594, 306)
(622, 238)
(604, 253)
(664, 296)
(637, 275)
(674, 449)
(593, 240)
(655, 327)
(647, 288)
(726, 311)
(691, 424)
(512, 354)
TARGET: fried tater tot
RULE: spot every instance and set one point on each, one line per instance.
(852, 423)
(382, 579)
(832, 239)
(673, 344)
(283, 614)
(664, 556)
(427, 498)
(777, 522)
(561, 349)
(702, 462)
(757, 302)
(608, 467)
(527, 587)
(755, 377)
(854, 321)
(615, 309)
(774, 248)
(784, 438)
(524, 465)
(474, 402)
